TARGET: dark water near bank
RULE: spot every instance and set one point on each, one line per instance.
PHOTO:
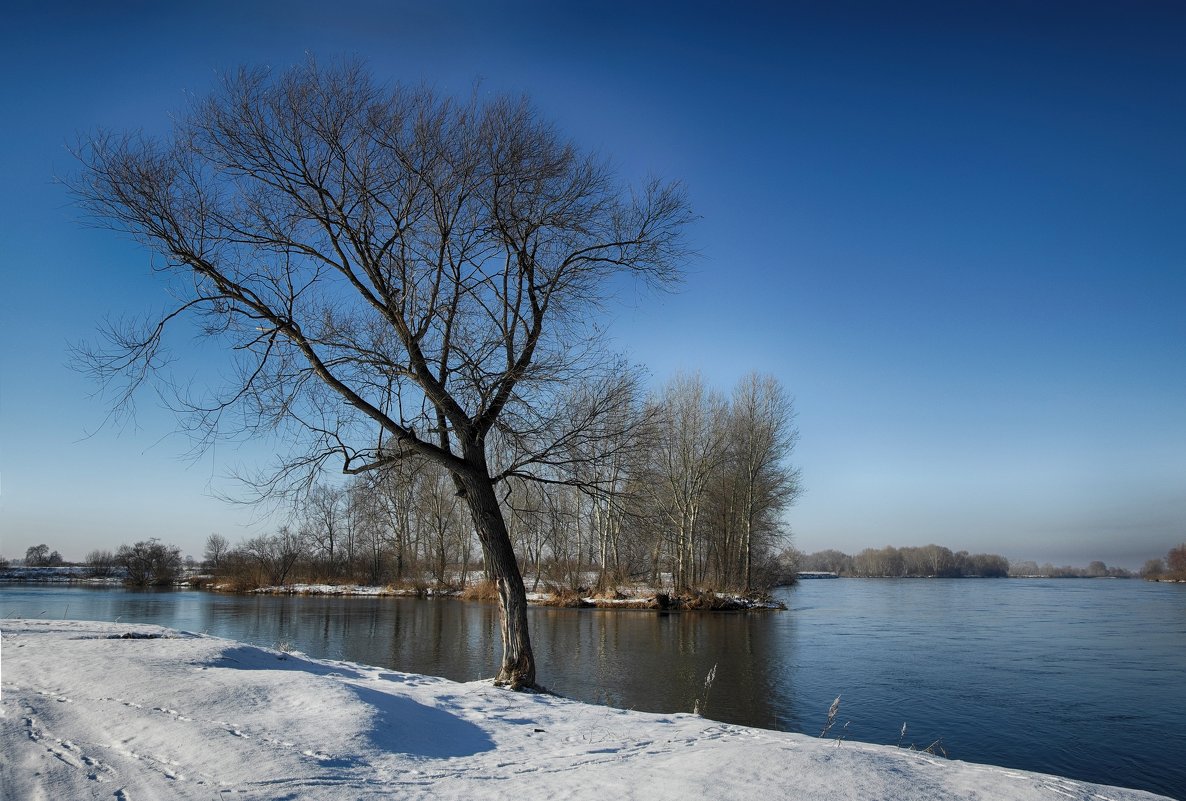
(1081, 678)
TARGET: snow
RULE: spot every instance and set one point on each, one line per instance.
(60, 574)
(133, 712)
(349, 589)
(641, 598)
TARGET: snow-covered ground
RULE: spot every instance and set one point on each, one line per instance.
(131, 712)
(638, 597)
(349, 589)
(61, 574)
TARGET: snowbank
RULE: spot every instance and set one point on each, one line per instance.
(645, 598)
(366, 590)
(100, 710)
(60, 574)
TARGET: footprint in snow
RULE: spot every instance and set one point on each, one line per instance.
(171, 712)
(61, 699)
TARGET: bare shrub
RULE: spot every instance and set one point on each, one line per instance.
(150, 563)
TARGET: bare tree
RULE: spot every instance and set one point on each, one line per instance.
(324, 515)
(438, 514)
(394, 491)
(763, 437)
(150, 563)
(1175, 562)
(367, 523)
(525, 523)
(603, 467)
(1153, 568)
(38, 556)
(275, 555)
(689, 449)
(101, 563)
(217, 548)
(397, 273)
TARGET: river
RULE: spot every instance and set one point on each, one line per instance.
(1082, 678)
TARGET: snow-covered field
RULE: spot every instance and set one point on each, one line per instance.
(131, 712)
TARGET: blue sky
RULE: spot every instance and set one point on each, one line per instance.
(956, 232)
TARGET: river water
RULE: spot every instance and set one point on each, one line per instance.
(1082, 678)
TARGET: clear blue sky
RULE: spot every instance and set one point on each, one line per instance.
(956, 232)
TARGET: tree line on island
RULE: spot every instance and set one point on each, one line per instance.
(691, 493)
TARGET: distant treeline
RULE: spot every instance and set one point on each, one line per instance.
(936, 561)
(1172, 568)
(1096, 569)
(927, 560)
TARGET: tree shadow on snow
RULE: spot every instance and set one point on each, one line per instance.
(247, 657)
(405, 726)
(401, 725)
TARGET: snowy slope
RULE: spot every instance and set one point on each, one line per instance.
(163, 715)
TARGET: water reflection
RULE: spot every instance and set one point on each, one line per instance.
(658, 662)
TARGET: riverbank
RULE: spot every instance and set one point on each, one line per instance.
(62, 574)
(196, 717)
(634, 598)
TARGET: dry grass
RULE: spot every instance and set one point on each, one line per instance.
(484, 590)
(565, 597)
(697, 599)
(610, 592)
(416, 585)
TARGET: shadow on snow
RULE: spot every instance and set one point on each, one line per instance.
(399, 724)
(408, 727)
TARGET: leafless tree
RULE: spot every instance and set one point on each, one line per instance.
(1175, 562)
(526, 524)
(367, 523)
(439, 514)
(763, 436)
(37, 555)
(149, 563)
(395, 491)
(689, 449)
(275, 555)
(323, 512)
(101, 563)
(217, 547)
(1153, 568)
(397, 273)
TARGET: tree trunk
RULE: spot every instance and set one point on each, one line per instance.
(518, 662)
(749, 551)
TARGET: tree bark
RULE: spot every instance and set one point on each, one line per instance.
(518, 661)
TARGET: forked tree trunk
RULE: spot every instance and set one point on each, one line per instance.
(518, 662)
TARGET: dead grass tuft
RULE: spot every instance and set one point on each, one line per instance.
(484, 590)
